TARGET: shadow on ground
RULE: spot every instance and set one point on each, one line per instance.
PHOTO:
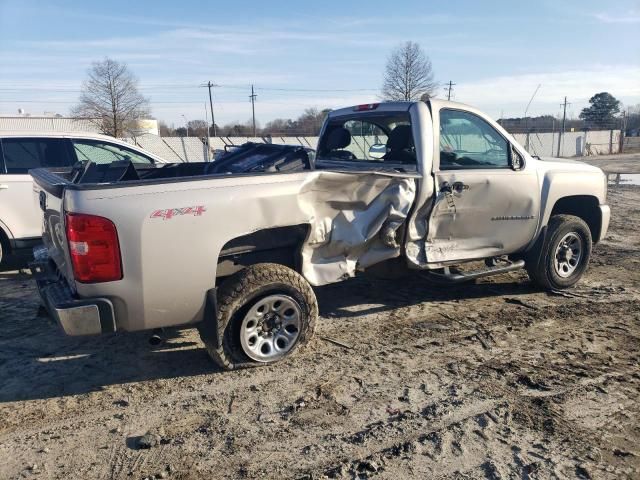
(383, 295)
(38, 361)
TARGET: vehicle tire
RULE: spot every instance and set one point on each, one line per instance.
(265, 312)
(563, 256)
(4, 246)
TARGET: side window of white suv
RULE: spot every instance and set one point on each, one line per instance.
(103, 152)
(22, 154)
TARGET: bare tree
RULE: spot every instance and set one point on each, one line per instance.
(198, 128)
(408, 74)
(110, 98)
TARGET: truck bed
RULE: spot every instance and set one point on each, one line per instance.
(249, 159)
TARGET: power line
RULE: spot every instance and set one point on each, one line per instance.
(320, 89)
(175, 86)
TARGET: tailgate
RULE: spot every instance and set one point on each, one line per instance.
(50, 187)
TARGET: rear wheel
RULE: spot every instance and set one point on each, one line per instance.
(564, 255)
(265, 313)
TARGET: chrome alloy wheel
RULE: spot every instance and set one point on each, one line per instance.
(271, 328)
(568, 255)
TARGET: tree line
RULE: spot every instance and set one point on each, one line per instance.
(307, 124)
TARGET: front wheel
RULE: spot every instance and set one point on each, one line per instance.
(265, 312)
(564, 255)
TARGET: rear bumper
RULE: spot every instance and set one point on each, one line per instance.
(605, 217)
(86, 316)
(24, 244)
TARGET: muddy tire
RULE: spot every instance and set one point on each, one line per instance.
(265, 313)
(562, 258)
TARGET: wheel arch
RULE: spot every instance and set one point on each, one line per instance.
(5, 240)
(280, 245)
(586, 207)
(248, 284)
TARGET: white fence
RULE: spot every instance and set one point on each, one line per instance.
(572, 144)
(194, 149)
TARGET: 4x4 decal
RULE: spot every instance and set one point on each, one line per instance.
(169, 213)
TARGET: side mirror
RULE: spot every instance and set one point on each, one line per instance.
(377, 151)
(517, 162)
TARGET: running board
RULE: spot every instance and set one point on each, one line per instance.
(472, 275)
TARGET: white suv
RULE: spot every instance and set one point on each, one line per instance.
(20, 214)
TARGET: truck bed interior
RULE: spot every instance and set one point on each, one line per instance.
(250, 158)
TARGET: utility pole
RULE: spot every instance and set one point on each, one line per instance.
(253, 109)
(213, 120)
(564, 118)
(623, 130)
(210, 85)
(451, 84)
(207, 145)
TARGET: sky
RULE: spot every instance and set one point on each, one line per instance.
(319, 54)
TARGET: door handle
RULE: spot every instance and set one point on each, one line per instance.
(446, 187)
(4, 186)
(457, 187)
(460, 187)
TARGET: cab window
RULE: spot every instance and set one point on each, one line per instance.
(22, 154)
(104, 152)
(468, 141)
(378, 138)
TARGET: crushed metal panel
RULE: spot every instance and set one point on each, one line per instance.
(354, 220)
(427, 148)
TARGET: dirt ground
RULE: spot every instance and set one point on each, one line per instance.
(491, 380)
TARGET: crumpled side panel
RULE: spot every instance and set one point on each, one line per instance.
(417, 229)
(354, 220)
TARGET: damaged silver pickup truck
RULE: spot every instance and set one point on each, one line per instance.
(234, 246)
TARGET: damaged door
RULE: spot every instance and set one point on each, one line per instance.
(486, 198)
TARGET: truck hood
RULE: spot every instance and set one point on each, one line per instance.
(564, 164)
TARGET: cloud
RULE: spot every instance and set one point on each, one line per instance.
(511, 93)
(630, 17)
(434, 19)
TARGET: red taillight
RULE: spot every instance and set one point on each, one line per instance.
(94, 248)
(366, 106)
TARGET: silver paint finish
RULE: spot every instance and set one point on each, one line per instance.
(84, 320)
(460, 225)
(355, 219)
(352, 218)
(605, 216)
